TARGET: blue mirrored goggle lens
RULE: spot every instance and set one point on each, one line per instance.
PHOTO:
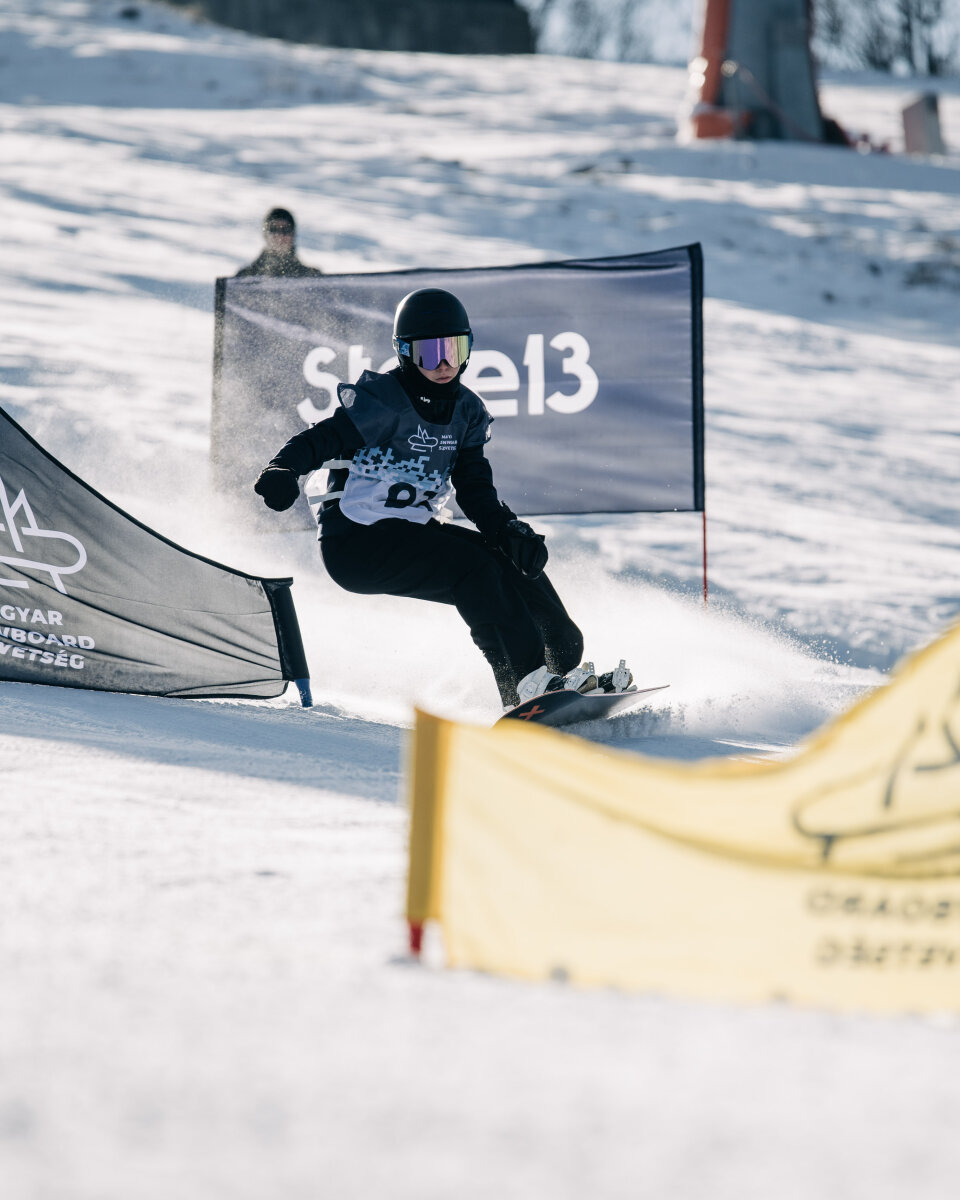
(429, 353)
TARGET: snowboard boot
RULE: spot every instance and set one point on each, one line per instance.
(536, 683)
(618, 680)
(580, 679)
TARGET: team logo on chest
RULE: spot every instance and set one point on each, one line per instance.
(422, 442)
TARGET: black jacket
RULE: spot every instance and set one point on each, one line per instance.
(337, 437)
(286, 265)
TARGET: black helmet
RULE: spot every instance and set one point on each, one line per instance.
(429, 312)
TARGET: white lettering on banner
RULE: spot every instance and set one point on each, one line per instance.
(533, 361)
(489, 371)
(578, 365)
(322, 380)
(49, 616)
(505, 378)
(325, 381)
(36, 638)
(27, 643)
(28, 528)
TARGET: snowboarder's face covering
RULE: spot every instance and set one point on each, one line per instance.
(429, 353)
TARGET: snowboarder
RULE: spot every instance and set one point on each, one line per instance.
(398, 447)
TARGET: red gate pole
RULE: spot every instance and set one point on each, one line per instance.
(704, 553)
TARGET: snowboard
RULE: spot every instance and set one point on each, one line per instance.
(569, 708)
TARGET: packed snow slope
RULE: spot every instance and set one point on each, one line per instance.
(205, 992)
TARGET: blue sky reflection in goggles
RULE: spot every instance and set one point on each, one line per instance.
(429, 353)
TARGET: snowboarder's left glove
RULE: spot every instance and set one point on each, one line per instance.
(279, 488)
(524, 548)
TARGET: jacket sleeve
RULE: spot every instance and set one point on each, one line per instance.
(335, 437)
(472, 479)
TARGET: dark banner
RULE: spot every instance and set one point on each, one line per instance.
(91, 598)
(593, 370)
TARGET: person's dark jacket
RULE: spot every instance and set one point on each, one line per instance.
(287, 266)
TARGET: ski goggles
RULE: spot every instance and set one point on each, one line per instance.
(429, 353)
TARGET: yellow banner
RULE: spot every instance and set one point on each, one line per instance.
(831, 878)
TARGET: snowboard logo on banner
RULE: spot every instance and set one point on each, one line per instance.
(885, 816)
(20, 534)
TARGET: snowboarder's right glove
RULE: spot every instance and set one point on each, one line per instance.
(279, 488)
(524, 548)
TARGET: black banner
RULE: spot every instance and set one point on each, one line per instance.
(91, 598)
(593, 370)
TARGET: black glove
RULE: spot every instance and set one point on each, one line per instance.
(279, 488)
(524, 548)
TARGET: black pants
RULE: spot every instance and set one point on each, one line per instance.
(518, 623)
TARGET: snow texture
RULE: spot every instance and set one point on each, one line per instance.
(201, 940)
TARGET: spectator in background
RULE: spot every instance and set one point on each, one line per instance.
(279, 255)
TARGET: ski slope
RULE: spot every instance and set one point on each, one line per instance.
(205, 986)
